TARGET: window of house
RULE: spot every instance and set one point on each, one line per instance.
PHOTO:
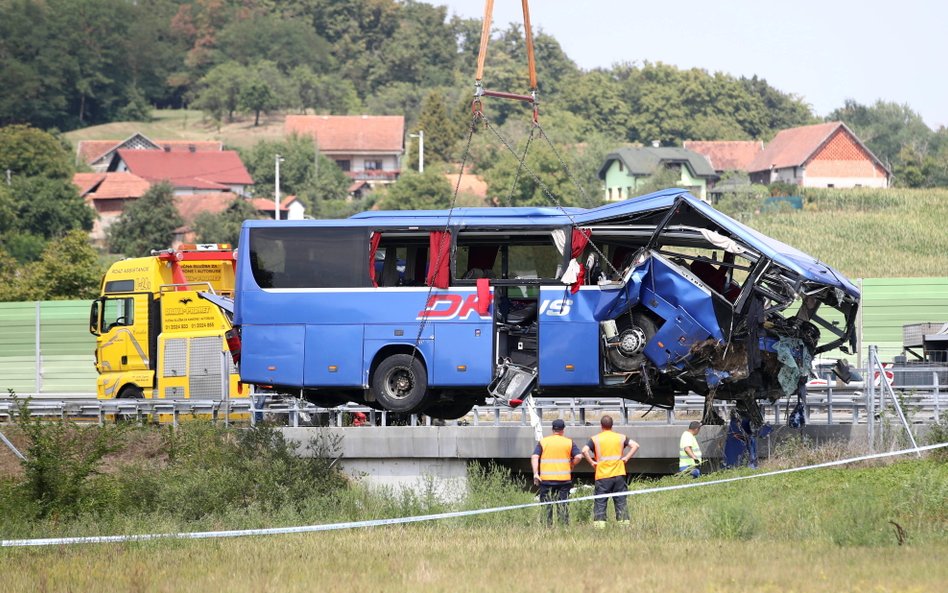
(610, 193)
(628, 191)
(620, 166)
(619, 190)
(344, 164)
(373, 165)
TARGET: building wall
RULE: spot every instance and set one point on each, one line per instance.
(620, 183)
(842, 162)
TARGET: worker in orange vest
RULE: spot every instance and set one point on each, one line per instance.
(609, 462)
(553, 460)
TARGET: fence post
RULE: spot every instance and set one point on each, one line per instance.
(38, 353)
(936, 396)
(859, 325)
(870, 402)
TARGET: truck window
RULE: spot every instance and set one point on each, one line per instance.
(117, 312)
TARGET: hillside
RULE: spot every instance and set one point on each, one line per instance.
(186, 124)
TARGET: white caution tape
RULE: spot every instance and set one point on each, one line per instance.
(102, 539)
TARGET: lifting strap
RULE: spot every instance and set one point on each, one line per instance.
(479, 91)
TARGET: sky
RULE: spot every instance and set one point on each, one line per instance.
(822, 51)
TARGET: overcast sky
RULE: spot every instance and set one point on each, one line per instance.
(822, 50)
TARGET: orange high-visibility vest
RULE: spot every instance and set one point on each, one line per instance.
(555, 458)
(608, 451)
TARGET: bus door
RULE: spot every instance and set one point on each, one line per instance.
(568, 337)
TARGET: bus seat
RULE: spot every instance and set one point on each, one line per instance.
(523, 315)
(389, 269)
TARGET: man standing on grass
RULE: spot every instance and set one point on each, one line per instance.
(609, 463)
(553, 460)
(689, 452)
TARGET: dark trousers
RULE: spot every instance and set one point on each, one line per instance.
(607, 486)
(556, 491)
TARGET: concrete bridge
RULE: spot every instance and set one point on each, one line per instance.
(420, 456)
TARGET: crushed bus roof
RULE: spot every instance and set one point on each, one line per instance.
(806, 265)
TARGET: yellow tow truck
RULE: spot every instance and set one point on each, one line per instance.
(161, 326)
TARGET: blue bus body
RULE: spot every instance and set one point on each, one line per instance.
(671, 296)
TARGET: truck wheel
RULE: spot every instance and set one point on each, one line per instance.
(400, 384)
(129, 392)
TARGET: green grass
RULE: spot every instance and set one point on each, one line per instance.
(186, 124)
(867, 233)
(823, 530)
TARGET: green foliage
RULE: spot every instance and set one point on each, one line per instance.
(324, 93)
(68, 269)
(442, 129)
(418, 191)
(62, 462)
(265, 89)
(298, 172)
(147, 223)
(29, 152)
(49, 207)
(225, 226)
(218, 92)
(290, 43)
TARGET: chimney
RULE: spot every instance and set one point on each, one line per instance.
(167, 147)
(656, 143)
(192, 148)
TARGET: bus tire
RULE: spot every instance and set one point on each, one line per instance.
(400, 384)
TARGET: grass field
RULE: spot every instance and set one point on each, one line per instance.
(825, 530)
(187, 124)
(477, 559)
(867, 233)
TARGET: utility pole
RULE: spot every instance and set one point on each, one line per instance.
(421, 149)
(276, 194)
(9, 179)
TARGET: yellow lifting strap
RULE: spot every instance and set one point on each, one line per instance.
(482, 55)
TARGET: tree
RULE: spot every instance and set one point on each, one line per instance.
(50, 208)
(418, 191)
(266, 89)
(218, 92)
(886, 128)
(147, 223)
(224, 227)
(298, 171)
(326, 93)
(288, 43)
(68, 269)
(442, 130)
(29, 152)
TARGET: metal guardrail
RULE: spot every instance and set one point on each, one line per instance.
(825, 405)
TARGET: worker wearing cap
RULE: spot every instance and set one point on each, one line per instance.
(609, 462)
(689, 452)
(553, 460)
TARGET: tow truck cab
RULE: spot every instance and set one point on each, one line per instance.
(160, 325)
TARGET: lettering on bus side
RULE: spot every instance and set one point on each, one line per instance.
(455, 306)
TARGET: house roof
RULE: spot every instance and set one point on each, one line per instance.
(644, 160)
(726, 155)
(794, 147)
(92, 150)
(191, 205)
(266, 204)
(86, 182)
(351, 133)
(107, 186)
(201, 170)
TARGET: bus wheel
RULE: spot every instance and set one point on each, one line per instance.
(450, 410)
(400, 383)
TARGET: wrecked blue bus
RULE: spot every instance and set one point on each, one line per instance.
(435, 311)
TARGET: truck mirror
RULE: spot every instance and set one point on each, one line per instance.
(94, 318)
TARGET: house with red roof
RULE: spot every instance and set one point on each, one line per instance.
(368, 148)
(187, 172)
(107, 194)
(726, 155)
(98, 153)
(821, 155)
